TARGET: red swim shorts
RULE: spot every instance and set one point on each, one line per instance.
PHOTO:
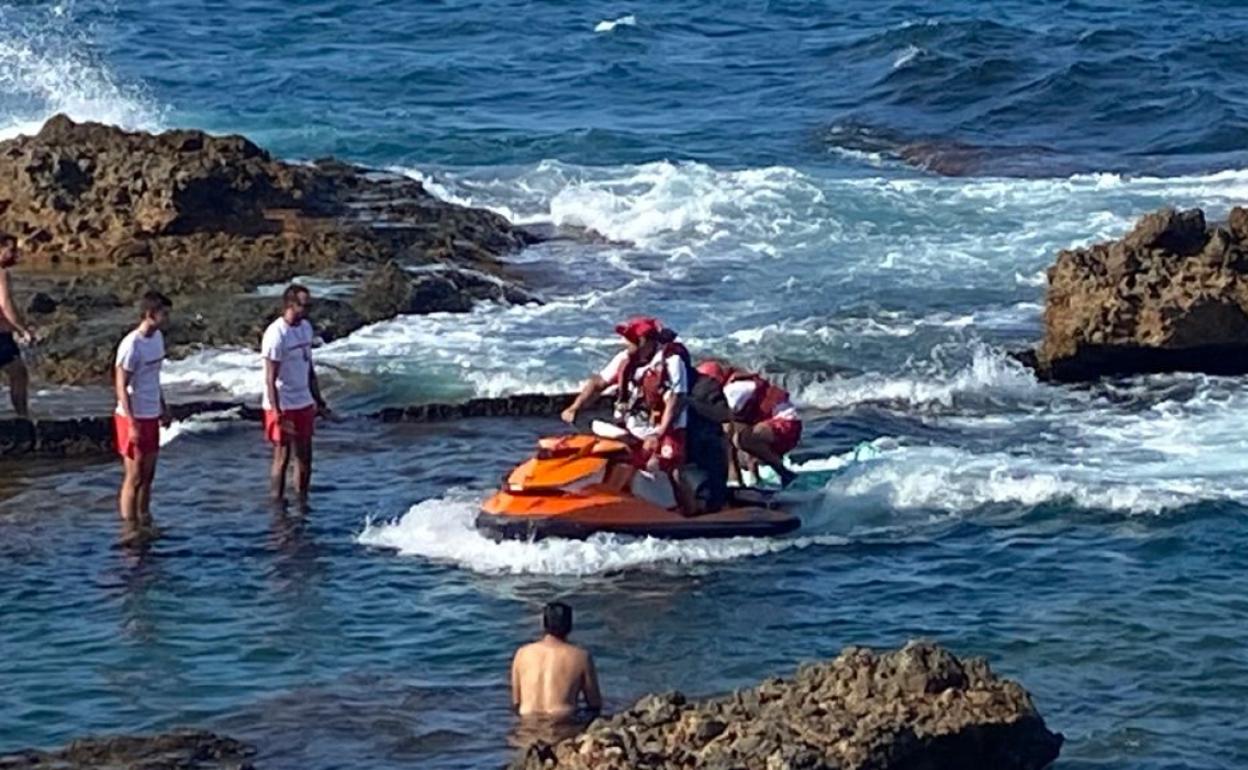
(671, 452)
(301, 425)
(146, 440)
(786, 434)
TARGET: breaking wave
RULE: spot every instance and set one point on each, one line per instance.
(48, 65)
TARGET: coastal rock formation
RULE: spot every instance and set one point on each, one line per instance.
(918, 707)
(104, 214)
(177, 750)
(1172, 295)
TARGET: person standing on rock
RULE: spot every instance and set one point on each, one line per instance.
(292, 396)
(141, 410)
(11, 326)
(549, 677)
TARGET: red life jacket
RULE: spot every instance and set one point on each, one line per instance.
(655, 382)
(763, 401)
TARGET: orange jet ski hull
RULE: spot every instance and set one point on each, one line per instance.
(578, 486)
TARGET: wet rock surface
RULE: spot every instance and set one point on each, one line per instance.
(918, 707)
(177, 750)
(1171, 295)
(104, 214)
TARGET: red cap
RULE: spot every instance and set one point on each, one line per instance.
(714, 370)
(636, 329)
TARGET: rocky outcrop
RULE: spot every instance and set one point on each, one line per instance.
(177, 750)
(1172, 295)
(104, 214)
(391, 290)
(918, 707)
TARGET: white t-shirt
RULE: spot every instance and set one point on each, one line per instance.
(290, 347)
(738, 395)
(677, 376)
(142, 357)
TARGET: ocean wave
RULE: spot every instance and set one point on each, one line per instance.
(990, 374)
(47, 67)
(956, 481)
(906, 56)
(443, 530)
(609, 25)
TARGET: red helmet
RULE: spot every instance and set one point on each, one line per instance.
(715, 370)
(637, 329)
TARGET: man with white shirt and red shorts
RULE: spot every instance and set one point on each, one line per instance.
(141, 410)
(292, 396)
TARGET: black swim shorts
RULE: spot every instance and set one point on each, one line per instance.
(9, 351)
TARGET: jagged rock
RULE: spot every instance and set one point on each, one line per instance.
(1171, 295)
(105, 214)
(917, 707)
(390, 290)
(177, 750)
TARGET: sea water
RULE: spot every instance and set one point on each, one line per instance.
(860, 198)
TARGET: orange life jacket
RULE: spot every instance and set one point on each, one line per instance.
(763, 401)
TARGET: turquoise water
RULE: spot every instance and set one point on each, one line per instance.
(748, 162)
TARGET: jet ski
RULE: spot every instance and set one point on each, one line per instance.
(579, 485)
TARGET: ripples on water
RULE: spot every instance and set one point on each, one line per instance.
(289, 632)
(754, 166)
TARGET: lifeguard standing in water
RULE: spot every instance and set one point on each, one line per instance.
(140, 412)
(292, 396)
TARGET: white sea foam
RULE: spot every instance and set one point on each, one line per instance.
(443, 530)
(989, 374)
(208, 422)
(906, 56)
(46, 67)
(609, 25)
(956, 481)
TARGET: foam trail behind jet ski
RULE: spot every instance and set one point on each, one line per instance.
(442, 529)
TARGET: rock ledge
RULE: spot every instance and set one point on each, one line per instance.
(915, 708)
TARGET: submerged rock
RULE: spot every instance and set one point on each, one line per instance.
(177, 750)
(917, 707)
(105, 214)
(1171, 295)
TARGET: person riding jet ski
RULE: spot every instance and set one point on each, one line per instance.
(765, 424)
(652, 378)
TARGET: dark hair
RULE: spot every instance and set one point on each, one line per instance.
(7, 239)
(557, 620)
(152, 303)
(291, 295)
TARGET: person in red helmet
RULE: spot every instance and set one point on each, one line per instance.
(651, 376)
(765, 424)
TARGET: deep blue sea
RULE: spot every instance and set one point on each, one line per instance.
(859, 197)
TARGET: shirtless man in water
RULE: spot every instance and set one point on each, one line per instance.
(549, 676)
(11, 330)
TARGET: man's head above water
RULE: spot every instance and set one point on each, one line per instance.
(557, 620)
